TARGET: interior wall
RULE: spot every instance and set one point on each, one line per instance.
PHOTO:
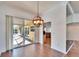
(6, 10)
(57, 17)
(41, 34)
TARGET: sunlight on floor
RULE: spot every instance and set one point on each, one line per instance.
(18, 40)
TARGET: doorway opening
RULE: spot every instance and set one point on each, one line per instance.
(23, 33)
(19, 32)
(47, 34)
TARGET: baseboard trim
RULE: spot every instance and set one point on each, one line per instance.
(67, 50)
(59, 51)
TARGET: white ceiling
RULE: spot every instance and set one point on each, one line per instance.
(31, 6)
(75, 6)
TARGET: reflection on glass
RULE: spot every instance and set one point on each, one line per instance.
(21, 32)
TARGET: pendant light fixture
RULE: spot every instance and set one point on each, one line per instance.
(37, 21)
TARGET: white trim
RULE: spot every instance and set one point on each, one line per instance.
(70, 48)
(59, 50)
(67, 50)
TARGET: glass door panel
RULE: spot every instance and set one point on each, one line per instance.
(29, 31)
(23, 32)
(18, 32)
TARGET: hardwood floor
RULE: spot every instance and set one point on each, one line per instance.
(37, 50)
(47, 39)
(34, 50)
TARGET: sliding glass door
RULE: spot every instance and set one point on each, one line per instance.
(22, 34)
(19, 32)
(17, 35)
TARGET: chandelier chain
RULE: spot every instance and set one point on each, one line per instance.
(37, 8)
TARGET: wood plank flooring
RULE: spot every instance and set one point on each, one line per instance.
(34, 50)
(37, 50)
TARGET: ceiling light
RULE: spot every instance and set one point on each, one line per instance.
(37, 21)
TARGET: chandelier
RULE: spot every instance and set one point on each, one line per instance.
(37, 21)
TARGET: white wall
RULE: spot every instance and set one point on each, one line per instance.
(6, 10)
(41, 34)
(58, 25)
(57, 17)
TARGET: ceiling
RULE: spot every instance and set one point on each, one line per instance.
(75, 6)
(31, 6)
